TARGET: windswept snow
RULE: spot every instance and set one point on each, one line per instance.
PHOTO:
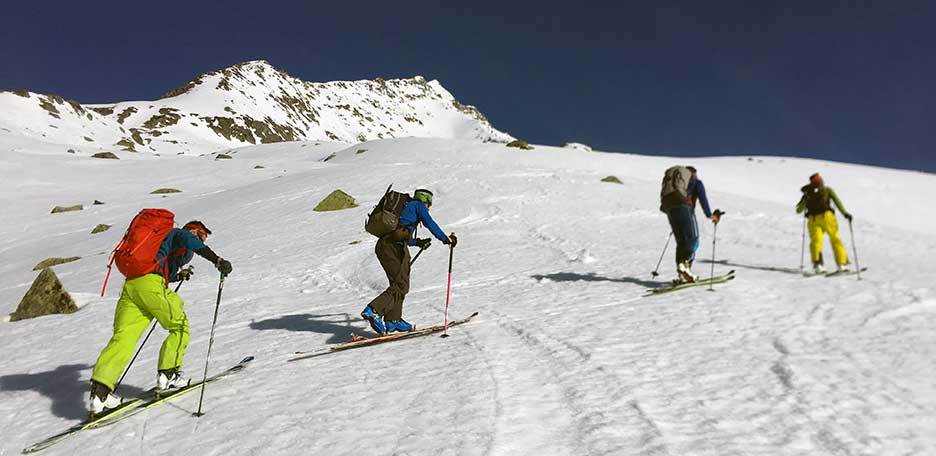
(565, 358)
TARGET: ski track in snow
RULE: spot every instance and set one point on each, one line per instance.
(566, 355)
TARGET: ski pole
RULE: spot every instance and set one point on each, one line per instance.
(655, 273)
(855, 249)
(802, 251)
(417, 255)
(152, 327)
(448, 290)
(711, 285)
(214, 322)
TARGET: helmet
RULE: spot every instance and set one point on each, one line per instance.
(423, 195)
(196, 225)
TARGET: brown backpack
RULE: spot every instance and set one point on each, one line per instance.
(385, 218)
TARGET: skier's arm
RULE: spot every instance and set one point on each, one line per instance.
(801, 205)
(838, 203)
(224, 266)
(429, 223)
(703, 200)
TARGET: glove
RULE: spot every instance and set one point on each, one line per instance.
(423, 243)
(716, 216)
(452, 240)
(224, 266)
(848, 217)
(185, 273)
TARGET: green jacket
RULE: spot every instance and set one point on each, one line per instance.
(816, 200)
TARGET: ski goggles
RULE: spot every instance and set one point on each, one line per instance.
(423, 195)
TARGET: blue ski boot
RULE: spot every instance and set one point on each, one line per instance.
(376, 323)
(400, 325)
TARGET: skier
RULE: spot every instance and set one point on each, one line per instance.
(821, 218)
(147, 297)
(681, 190)
(385, 312)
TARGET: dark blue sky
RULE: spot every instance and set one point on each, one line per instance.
(850, 81)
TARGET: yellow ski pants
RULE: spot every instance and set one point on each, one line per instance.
(825, 223)
(141, 300)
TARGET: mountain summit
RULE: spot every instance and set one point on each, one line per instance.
(248, 103)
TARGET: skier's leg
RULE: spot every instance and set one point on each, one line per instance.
(394, 259)
(130, 320)
(814, 226)
(838, 247)
(681, 224)
(169, 311)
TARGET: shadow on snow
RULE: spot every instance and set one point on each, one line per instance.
(65, 385)
(592, 277)
(748, 266)
(340, 330)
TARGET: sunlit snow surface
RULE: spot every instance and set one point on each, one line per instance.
(565, 358)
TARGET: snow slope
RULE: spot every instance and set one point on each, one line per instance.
(248, 103)
(566, 356)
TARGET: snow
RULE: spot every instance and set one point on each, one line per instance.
(565, 357)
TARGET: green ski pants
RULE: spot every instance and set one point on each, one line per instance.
(141, 300)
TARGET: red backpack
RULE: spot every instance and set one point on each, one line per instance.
(135, 254)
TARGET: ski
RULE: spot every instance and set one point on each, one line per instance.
(668, 288)
(846, 273)
(368, 341)
(131, 407)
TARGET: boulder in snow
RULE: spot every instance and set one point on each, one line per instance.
(161, 191)
(46, 296)
(335, 201)
(57, 209)
(49, 262)
(520, 144)
(109, 155)
(100, 228)
(223, 157)
(612, 179)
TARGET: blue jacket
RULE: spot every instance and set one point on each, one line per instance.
(179, 245)
(414, 213)
(697, 192)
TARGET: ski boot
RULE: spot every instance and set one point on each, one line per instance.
(376, 322)
(684, 271)
(170, 379)
(400, 325)
(102, 400)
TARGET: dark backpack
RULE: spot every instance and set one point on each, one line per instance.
(817, 200)
(674, 190)
(385, 218)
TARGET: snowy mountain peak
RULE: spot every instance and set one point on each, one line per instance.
(248, 103)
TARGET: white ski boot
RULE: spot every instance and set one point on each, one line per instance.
(685, 273)
(102, 399)
(170, 379)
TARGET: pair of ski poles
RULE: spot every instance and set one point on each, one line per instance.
(448, 289)
(214, 323)
(851, 231)
(714, 239)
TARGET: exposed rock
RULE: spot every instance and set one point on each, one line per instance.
(102, 227)
(328, 158)
(360, 151)
(259, 167)
(103, 111)
(71, 151)
(520, 144)
(126, 113)
(612, 179)
(21, 92)
(97, 202)
(46, 296)
(57, 209)
(335, 201)
(87, 139)
(160, 191)
(54, 261)
(109, 155)
(577, 146)
(223, 157)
